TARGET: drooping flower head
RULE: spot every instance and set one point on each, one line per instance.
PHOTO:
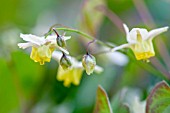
(89, 63)
(140, 41)
(42, 48)
(74, 74)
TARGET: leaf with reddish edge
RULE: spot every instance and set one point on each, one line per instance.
(159, 99)
(102, 102)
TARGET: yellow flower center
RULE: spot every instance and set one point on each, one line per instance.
(143, 49)
(41, 54)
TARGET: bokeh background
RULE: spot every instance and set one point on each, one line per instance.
(27, 87)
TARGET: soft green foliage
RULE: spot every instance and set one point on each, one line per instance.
(118, 106)
(27, 87)
(159, 99)
(9, 98)
(124, 109)
(28, 73)
(102, 102)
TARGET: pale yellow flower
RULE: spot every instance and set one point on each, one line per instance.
(41, 54)
(73, 74)
(140, 41)
(42, 48)
(69, 76)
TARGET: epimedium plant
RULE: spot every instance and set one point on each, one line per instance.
(93, 22)
(139, 40)
(53, 45)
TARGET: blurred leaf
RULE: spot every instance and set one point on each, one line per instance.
(91, 17)
(9, 101)
(114, 5)
(102, 102)
(124, 109)
(159, 99)
(29, 73)
(117, 103)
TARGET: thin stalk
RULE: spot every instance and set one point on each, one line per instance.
(80, 33)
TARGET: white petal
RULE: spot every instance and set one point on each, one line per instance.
(117, 58)
(98, 69)
(51, 38)
(122, 46)
(75, 63)
(33, 39)
(56, 55)
(155, 32)
(143, 33)
(67, 37)
(25, 45)
(127, 33)
(63, 50)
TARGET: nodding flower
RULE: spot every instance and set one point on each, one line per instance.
(140, 41)
(42, 48)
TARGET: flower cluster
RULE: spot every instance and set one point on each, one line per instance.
(43, 49)
(70, 70)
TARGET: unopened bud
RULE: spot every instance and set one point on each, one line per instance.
(60, 41)
(89, 63)
(65, 62)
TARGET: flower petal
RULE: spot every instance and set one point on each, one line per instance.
(51, 38)
(122, 46)
(69, 76)
(98, 69)
(127, 33)
(57, 55)
(155, 32)
(143, 32)
(117, 58)
(33, 39)
(67, 37)
(63, 50)
(25, 45)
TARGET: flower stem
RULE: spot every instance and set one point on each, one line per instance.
(81, 33)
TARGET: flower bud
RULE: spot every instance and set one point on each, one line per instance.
(89, 63)
(65, 62)
(60, 41)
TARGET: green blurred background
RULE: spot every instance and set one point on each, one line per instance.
(27, 87)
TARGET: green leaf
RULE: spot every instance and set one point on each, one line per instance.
(102, 102)
(9, 99)
(159, 99)
(28, 73)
